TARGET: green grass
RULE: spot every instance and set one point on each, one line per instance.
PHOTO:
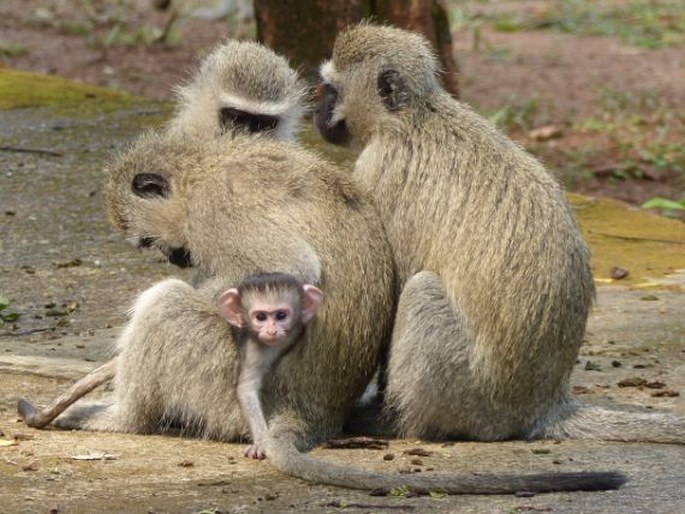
(642, 23)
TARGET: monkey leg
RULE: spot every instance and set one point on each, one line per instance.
(433, 390)
(178, 365)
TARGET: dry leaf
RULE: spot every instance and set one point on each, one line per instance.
(93, 456)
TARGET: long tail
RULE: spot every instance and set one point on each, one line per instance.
(286, 458)
(575, 420)
(39, 419)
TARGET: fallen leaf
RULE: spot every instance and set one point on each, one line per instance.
(632, 382)
(93, 456)
(579, 389)
(419, 452)
(8, 442)
(546, 133)
(667, 393)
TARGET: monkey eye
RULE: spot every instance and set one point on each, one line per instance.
(281, 315)
(260, 316)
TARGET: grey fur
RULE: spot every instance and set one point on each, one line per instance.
(243, 75)
(495, 277)
(175, 368)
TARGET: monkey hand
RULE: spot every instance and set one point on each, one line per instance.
(255, 451)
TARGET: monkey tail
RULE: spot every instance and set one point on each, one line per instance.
(39, 419)
(288, 459)
(575, 420)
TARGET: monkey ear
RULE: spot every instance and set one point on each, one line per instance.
(231, 308)
(391, 89)
(150, 185)
(311, 301)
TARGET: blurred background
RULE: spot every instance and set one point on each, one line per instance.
(595, 88)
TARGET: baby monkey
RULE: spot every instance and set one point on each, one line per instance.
(268, 313)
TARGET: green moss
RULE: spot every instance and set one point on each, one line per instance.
(649, 246)
(19, 89)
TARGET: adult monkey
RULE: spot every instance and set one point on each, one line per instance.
(495, 277)
(237, 207)
(240, 88)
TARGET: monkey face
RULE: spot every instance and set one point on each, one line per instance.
(376, 77)
(142, 200)
(332, 130)
(350, 107)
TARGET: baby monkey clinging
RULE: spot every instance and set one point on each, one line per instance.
(268, 313)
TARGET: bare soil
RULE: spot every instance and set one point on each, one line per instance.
(71, 279)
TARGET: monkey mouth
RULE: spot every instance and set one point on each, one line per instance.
(180, 256)
(271, 340)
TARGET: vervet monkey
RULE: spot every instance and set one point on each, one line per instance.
(240, 206)
(495, 276)
(268, 313)
(242, 86)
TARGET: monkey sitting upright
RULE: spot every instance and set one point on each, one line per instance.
(494, 275)
(268, 313)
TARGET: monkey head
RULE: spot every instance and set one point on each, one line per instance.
(241, 87)
(270, 307)
(206, 202)
(142, 199)
(375, 76)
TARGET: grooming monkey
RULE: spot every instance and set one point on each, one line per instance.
(268, 313)
(241, 87)
(244, 87)
(205, 200)
(495, 279)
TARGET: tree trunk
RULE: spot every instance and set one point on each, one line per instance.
(304, 30)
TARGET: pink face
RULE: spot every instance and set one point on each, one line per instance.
(271, 322)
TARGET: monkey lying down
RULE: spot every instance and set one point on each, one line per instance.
(204, 199)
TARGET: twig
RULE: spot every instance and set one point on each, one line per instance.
(40, 151)
(26, 332)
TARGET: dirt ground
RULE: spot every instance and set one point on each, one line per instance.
(533, 78)
(71, 278)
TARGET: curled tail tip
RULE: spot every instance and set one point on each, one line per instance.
(588, 481)
(605, 480)
(26, 411)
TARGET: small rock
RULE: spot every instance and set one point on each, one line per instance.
(592, 366)
(619, 273)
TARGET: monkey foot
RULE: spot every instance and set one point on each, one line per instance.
(254, 451)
